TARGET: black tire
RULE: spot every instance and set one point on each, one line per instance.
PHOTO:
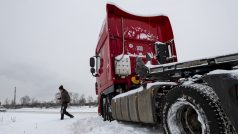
(194, 109)
(104, 111)
(109, 111)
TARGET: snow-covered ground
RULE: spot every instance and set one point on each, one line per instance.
(47, 121)
(54, 110)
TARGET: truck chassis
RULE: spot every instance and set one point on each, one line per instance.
(184, 93)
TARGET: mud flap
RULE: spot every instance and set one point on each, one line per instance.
(146, 106)
(113, 104)
(225, 87)
(133, 109)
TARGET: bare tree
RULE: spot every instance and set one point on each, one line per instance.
(96, 100)
(34, 102)
(57, 96)
(25, 100)
(7, 101)
(82, 100)
(12, 103)
(90, 100)
(75, 98)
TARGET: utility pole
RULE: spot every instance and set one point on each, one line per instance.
(14, 101)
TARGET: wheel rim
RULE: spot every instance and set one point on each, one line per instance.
(184, 118)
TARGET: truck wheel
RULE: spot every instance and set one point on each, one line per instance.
(106, 110)
(194, 109)
(104, 107)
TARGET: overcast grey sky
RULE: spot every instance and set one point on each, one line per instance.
(45, 43)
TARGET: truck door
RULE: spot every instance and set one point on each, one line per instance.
(103, 70)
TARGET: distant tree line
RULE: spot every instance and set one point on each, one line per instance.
(76, 100)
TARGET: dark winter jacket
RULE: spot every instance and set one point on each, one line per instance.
(64, 96)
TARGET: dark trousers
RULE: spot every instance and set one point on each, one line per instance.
(64, 112)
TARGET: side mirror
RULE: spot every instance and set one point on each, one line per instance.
(92, 62)
(92, 70)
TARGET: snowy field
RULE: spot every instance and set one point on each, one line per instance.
(47, 121)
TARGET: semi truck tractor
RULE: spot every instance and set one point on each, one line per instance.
(139, 78)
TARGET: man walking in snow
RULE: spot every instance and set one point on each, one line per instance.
(65, 99)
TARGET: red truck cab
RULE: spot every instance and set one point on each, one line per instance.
(124, 37)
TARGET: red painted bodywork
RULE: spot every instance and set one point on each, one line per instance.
(138, 32)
